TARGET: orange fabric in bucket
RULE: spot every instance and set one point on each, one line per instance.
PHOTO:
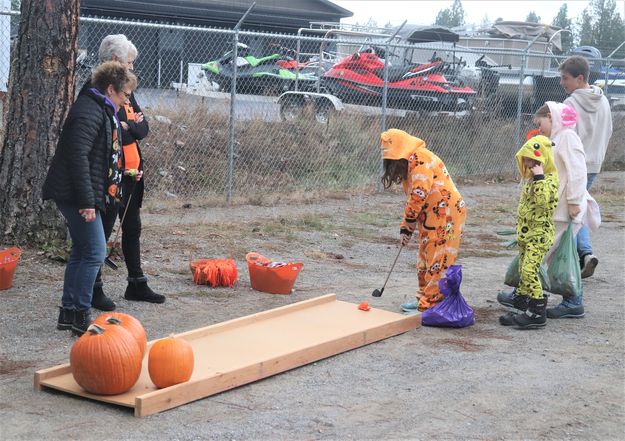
(8, 263)
(214, 272)
(278, 280)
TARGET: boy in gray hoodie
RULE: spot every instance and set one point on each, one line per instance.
(594, 127)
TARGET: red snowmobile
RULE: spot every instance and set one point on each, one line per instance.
(359, 79)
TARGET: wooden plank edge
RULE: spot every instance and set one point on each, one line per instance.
(44, 374)
(241, 321)
(174, 396)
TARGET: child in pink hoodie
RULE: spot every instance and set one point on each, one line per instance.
(557, 121)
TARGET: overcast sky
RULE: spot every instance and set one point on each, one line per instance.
(425, 11)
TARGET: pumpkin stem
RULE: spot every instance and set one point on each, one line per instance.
(113, 320)
(95, 329)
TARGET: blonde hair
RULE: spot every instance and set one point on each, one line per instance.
(113, 73)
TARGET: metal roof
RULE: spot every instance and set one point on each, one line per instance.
(266, 13)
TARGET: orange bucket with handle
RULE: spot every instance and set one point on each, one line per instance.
(274, 280)
(8, 263)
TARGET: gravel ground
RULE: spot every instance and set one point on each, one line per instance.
(481, 382)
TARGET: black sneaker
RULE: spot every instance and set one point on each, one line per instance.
(66, 317)
(82, 320)
(100, 301)
(138, 290)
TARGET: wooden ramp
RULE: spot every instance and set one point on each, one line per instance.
(250, 348)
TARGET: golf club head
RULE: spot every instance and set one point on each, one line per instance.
(377, 292)
(108, 262)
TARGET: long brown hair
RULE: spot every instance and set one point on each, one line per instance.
(395, 171)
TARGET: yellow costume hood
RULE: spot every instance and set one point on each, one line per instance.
(539, 149)
(397, 144)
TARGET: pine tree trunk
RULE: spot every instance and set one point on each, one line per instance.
(40, 93)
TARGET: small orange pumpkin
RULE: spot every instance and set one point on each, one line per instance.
(170, 362)
(106, 360)
(129, 323)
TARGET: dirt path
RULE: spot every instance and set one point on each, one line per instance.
(482, 382)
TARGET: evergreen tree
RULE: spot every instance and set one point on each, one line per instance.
(40, 93)
(457, 14)
(601, 26)
(451, 17)
(584, 24)
(443, 18)
(532, 17)
(563, 21)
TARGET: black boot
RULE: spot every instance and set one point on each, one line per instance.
(66, 318)
(534, 317)
(100, 301)
(518, 306)
(139, 290)
(82, 320)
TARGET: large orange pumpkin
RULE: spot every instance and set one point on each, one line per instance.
(129, 323)
(170, 362)
(106, 360)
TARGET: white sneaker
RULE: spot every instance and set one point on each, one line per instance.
(590, 263)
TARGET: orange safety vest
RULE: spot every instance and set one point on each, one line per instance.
(132, 159)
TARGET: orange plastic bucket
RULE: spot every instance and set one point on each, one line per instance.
(279, 280)
(8, 263)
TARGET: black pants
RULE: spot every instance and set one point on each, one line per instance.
(131, 229)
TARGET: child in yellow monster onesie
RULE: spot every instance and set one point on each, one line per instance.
(433, 206)
(535, 231)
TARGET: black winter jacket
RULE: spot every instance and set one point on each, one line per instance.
(135, 132)
(79, 169)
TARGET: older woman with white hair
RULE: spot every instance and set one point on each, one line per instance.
(134, 128)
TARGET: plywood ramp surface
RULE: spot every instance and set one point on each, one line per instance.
(250, 348)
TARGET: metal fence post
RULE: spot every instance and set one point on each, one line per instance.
(383, 122)
(158, 79)
(385, 96)
(233, 96)
(181, 67)
(517, 123)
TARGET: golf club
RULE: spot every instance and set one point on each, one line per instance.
(107, 260)
(378, 292)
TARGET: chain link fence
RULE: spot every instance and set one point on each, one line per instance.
(245, 114)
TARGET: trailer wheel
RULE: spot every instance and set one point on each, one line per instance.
(324, 112)
(291, 108)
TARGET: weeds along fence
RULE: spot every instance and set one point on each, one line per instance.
(283, 120)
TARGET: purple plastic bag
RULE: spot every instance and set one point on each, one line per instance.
(452, 311)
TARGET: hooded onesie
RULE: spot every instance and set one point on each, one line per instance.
(570, 160)
(535, 229)
(433, 206)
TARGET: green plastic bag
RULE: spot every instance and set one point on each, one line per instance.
(513, 278)
(564, 272)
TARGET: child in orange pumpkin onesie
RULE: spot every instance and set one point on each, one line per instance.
(434, 207)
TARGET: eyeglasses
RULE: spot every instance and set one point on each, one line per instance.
(127, 95)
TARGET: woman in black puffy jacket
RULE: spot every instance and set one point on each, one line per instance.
(83, 179)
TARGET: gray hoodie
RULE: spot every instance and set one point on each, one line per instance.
(594, 124)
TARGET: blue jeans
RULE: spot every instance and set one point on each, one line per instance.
(87, 255)
(584, 247)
